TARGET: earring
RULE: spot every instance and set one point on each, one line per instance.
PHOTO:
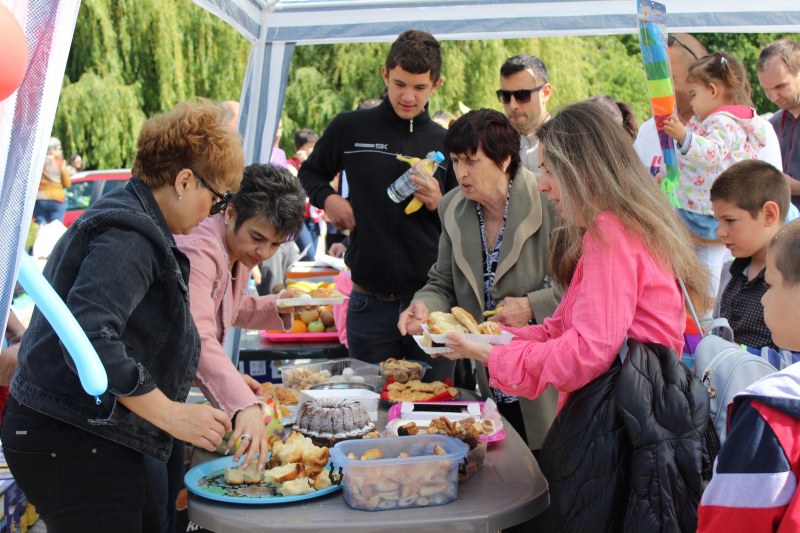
(178, 196)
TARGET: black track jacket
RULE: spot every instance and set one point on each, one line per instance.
(390, 252)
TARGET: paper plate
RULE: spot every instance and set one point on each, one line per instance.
(394, 418)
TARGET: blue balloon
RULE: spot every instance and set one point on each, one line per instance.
(90, 370)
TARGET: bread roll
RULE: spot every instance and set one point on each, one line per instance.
(440, 323)
(323, 292)
(489, 328)
(465, 319)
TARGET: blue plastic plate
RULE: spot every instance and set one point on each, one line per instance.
(208, 480)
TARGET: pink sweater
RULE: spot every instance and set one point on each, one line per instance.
(218, 301)
(618, 291)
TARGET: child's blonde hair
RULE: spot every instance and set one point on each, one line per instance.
(721, 67)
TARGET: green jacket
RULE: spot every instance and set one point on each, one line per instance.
(457, 276)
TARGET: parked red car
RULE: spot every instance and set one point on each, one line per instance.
(88, 186)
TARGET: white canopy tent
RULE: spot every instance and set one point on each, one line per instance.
(275, 27)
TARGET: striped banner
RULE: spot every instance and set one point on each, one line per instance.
(652, 18)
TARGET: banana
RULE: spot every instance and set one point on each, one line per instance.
(413, 206)
(304, 286)
(493, 312)
(410, 160)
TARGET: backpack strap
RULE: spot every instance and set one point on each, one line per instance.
(721, 327)
(690, 305)
(720, 323)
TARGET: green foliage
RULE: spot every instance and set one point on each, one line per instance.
(134, 58)
(103, 116)
(327, 79)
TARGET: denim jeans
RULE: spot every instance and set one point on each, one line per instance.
(46, 211)
(77, 481)
(309, 235)
(372, 335)
(166, 481)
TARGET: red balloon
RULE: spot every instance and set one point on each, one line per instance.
(14, 56)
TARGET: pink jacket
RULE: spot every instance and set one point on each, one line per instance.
(618, 290)
(218, 301)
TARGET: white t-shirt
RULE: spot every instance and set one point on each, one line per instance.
(648, 148)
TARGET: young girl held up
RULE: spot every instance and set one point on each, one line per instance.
(724, 130)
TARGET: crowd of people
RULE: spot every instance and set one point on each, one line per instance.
(555, 224)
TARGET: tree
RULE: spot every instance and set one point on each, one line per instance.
(133, 58)
(107, 138)
(327, 79)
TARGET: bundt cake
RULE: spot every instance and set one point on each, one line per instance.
(327, 422)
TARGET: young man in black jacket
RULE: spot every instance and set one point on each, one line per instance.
(390, 252)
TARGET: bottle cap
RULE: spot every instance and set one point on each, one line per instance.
(438, 157)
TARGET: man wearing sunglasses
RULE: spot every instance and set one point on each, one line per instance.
(683, 50)
(524, 92)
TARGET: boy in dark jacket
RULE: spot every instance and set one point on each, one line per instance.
(754, 487)
(390, 252)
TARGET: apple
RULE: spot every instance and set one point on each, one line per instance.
(309, 315)
(331, 329)
(327, 317)
(316, 326)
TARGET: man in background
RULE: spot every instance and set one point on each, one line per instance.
(778, 72)
(524, 92)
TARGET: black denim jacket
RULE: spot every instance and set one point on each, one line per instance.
(126, 282)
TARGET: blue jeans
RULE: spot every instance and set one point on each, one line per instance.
(77, 481)
(309, 235)
(46, 211)
(372, 335)
(166, 481)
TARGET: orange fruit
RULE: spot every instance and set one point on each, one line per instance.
(298, 326)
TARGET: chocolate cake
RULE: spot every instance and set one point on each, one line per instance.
(327, 422)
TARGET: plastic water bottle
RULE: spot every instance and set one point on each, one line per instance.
(404, 186)
(251, 291)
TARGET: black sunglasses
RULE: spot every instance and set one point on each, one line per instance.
(523, 96)
(222, 199)
(672, 40)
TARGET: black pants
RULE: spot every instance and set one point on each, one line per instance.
(77, 480)
(512, 412)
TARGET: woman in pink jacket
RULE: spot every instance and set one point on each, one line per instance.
(266, 212)
(620, 251)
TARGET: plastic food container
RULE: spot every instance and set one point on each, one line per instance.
(367, 398)
(303, 376)
(403, 370)
(394, 482)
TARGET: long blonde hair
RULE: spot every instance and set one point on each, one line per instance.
(598, 171)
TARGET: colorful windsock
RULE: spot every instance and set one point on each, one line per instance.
(652, 18)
